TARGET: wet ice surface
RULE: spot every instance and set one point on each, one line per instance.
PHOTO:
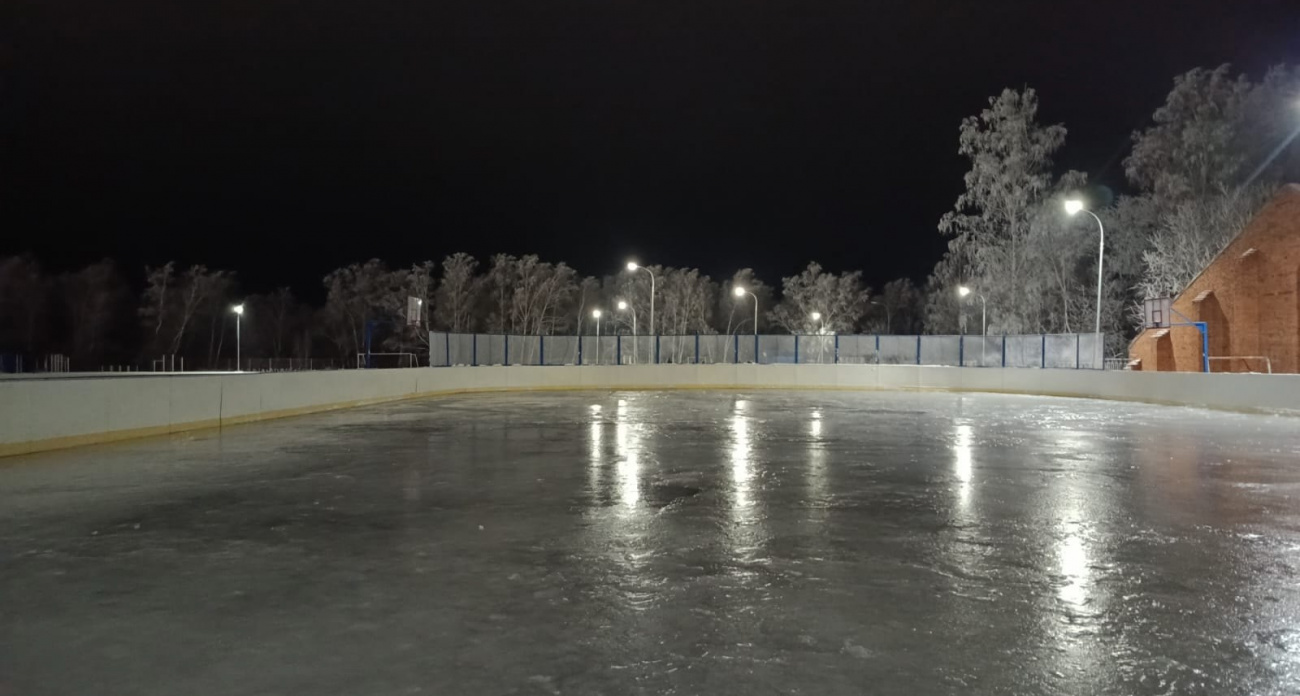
(665, 543)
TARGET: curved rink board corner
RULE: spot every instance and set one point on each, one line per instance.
(665, 542)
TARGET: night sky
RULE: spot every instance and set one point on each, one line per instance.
(284, 138)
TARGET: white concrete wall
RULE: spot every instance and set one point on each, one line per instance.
(51, 413)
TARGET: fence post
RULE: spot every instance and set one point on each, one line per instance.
(697, 349)
(656, 349)
(448, 347)
(541, 349)
(1004, 350)
(756, 346)
(1043, 352)
(473, 350)
(837, 349)
(1076, 350)
(796, 349)
(579, 350)
(918, 349)
(877, 349)
(735, 351)
(961, 350)
(507, 350)
(618, 349)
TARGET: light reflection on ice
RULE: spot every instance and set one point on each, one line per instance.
(741, 451)
(1072, 557)
(818, 484)
(963, 465)
(627, 444)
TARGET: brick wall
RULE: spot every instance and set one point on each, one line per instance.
(1249, 296)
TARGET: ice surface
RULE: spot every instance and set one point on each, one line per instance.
(682, 542)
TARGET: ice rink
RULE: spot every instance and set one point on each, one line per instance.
(748, 543)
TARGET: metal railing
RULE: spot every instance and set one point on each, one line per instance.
(1070, 351)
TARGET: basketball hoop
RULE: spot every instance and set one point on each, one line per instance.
(1157, 312)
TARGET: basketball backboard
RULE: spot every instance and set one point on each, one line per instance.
(1157, 312)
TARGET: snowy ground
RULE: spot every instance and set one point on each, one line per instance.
(683, 543)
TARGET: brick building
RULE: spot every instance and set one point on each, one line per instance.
(1249, 298)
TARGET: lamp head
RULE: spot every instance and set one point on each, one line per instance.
(622, 304)
(1073, 206)
(738, 292)
(595, 313)
(816, 316)
(963, 291)
(631, 265)
(238, 309)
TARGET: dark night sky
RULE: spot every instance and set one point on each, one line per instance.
(282, 138)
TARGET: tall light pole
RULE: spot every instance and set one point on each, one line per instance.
(741, 292)
(984, 308)
(624, 306)
(595, 313)
(632, 266)
(817, 316)
(1073, 207)
(239, 315)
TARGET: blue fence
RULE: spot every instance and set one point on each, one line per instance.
(1072, 351)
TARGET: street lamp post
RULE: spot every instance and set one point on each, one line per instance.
(595, 313)
(817, 316)
(239, 315)
(741, 292)
(1073, 207)
(984, 309)
(624, 306)
(632, 266)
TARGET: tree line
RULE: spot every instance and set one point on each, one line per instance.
(94, 316)
(1214, 152)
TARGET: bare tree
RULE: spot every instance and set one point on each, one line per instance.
(898, 309)
(23, 305)
(357, 297)
(95, 300)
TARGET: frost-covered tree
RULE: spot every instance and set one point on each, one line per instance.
(1214, 132)
(685, 302)
(500, 288)
(840, 300)
(455, 299)
(1191, 234)
(1217, 149)
(1004, 222)
(540, 297)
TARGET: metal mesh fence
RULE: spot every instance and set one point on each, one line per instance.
(1082, 351)
(677, 350)
(1024, 351)
(1061, 351)
(898, 350)
(559, 350)
(940, 350)
(820, 349)
(982, 351)
(716, 349)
